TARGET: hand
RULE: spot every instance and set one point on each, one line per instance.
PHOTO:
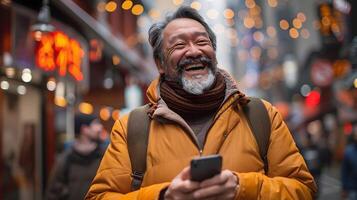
(222, 186)
(181, 187)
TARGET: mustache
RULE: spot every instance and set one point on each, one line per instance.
(187, 61)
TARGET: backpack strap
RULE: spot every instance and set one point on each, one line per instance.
(138, 132)
(259, 123)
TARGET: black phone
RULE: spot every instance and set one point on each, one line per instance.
(205, 167)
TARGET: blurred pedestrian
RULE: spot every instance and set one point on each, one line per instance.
(349, 169)
(196, 109)
(313, 158)
(76, 167)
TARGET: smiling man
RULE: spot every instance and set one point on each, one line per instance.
(196, 110)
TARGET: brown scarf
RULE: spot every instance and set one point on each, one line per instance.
(191, 105)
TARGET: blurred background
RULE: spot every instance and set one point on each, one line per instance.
(61, 57)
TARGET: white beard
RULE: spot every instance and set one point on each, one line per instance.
(198, 85)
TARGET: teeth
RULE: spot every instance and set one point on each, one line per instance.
(189, 67)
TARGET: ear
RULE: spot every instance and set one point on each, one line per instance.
(160, 66)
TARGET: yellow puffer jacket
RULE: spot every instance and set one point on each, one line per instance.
(172, 146)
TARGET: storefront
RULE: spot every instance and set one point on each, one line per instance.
(41, 75)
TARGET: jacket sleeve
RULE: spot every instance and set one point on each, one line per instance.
(288, 176)
(113, 180)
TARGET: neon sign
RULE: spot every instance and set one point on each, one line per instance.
(58, 51)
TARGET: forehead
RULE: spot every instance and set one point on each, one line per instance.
(181, 27)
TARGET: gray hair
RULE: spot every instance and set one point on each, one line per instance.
(156, 30)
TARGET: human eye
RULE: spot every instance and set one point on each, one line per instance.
(203, 41)
(179, 45)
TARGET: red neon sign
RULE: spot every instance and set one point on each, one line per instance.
(57, 50)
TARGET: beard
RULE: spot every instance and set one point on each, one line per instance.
(197, 84)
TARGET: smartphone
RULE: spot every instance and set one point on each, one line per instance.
(205, 167)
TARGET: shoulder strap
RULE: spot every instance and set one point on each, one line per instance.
(259, 123)
(138, 132)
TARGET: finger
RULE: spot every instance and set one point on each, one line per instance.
(189, 186)
(209, 192)
(218, 179)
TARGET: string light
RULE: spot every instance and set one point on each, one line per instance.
(297, 23)
(248, 22)
(127, 4)
(228, 13)
(86, 108)
(196, 5)
(284, 24)
(137, 9)
(111, 6)
(177, 2)
(293, 33)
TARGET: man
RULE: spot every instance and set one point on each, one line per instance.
(196, 110)
(76, 167)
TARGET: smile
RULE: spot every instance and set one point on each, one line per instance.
(193, 67)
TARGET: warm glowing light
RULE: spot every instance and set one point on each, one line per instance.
(248, 22)
(104, 114)
(301, 16)
(57, 50)
(4, 85)
(116, 60)
(284, 24)
(273, 3)
(26, 76)
(177, 2)
(127, 4)
(196, 5)
(85, 108)
(21, 90)
(137, 9)
(60, 101)
(212, 13)
(51, 84)
(271, 31)
(154, 14)
(250, 3)
(297, 23)
(101, 6)
(228, 13)
(305, 33)
(293, 33)
(258, 36)
(111, 6)
(115, 114)
(355, 83)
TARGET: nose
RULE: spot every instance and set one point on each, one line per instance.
(193, 51)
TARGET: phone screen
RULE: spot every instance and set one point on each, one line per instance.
(205, 167)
